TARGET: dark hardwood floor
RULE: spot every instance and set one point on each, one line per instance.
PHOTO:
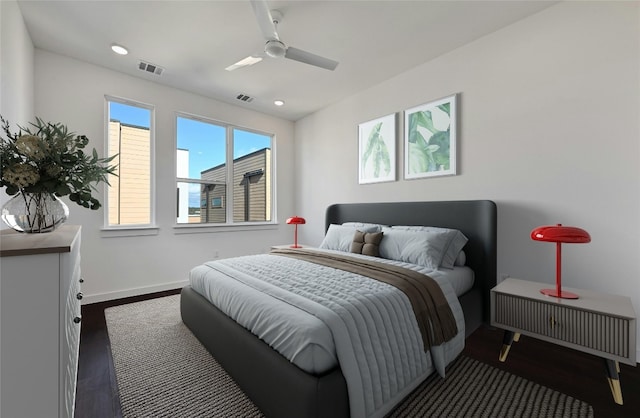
(97, 390)
(576, 374)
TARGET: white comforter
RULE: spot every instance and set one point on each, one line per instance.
(371, 324)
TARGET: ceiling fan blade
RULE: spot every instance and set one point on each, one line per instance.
(311, 59)
(265, 20)
(250, 60)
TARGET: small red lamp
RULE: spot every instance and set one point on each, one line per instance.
(296, 220)
(559, 234)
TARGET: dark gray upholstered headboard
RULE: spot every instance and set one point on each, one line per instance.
(477, 219)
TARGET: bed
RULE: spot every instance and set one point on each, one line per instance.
(280, 388)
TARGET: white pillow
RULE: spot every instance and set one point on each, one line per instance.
(364, 226)
(461, 259)
(416, 247)
(455, 241)
(340, 237)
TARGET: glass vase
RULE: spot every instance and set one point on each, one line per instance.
(34, 212)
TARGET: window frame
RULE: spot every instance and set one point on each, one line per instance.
(228, 202)
(150, 228)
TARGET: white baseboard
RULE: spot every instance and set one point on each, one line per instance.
(102, 297)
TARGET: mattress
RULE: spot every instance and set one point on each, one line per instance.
(299, 336)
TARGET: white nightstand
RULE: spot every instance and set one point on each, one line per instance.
(596, 323)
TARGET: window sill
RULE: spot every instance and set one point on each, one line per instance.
(129, 231)
(209, 228)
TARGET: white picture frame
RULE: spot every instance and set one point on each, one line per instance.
(430, 140)
(377, 150)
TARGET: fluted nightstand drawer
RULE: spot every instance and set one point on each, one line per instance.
(596, 331)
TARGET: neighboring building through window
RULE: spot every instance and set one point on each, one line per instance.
(208, 154)
(129, 197)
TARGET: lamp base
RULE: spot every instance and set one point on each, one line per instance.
(295, 246)
(563, 294)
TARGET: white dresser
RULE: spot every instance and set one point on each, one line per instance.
(40, 322)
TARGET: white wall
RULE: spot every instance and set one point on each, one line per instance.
(16, 76)
(72, 92)
(549, 129)
(16, 70)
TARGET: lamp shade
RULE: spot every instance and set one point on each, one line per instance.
(560, 233)
(296, 220)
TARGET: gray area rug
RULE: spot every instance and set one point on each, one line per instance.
(162, 370)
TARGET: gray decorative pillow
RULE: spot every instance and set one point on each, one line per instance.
(415, 247)
(455, 241)
(366, 243)
(338, 238)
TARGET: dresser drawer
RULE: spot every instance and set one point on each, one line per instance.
(603, 333)
(72, 324)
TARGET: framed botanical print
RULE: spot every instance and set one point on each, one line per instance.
(430, 139)
(377, 150)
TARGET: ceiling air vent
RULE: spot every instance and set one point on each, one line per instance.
(244, 98)
(150, 68)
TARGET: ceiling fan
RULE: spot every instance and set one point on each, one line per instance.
(274, 47)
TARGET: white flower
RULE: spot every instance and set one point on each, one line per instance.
(53, 170)
(29, 145)
(21, 175)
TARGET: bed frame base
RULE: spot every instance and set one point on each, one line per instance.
(275, 385)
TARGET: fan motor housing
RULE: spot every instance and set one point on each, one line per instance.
(275, 48)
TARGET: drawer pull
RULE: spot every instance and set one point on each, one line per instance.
(77, 319)
(552, 322)
(79, 296)
(81, 280)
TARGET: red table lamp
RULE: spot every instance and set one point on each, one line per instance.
(296, 220)
(559, 234)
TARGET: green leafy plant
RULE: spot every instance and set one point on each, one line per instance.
(432, 153)
(377, 149)
(46, 158)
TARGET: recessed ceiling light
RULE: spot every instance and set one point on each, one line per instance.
(119, 49)
(279, 102)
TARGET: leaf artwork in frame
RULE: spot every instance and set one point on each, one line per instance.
(430, 139)
(377, 150)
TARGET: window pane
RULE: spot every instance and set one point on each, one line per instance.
(201, 203)
(201, 156)
(251, 176)
(129, 136)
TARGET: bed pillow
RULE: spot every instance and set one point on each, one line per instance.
(416, 247)
(340, 237)
(461, 259)
(364, 226)
(367, 243)
(455, 241)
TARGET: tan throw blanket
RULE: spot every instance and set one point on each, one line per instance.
(433, 313)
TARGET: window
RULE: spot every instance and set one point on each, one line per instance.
(216, 202)
(223, 173)
(130, 135)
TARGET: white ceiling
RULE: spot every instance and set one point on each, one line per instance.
(194, 41)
